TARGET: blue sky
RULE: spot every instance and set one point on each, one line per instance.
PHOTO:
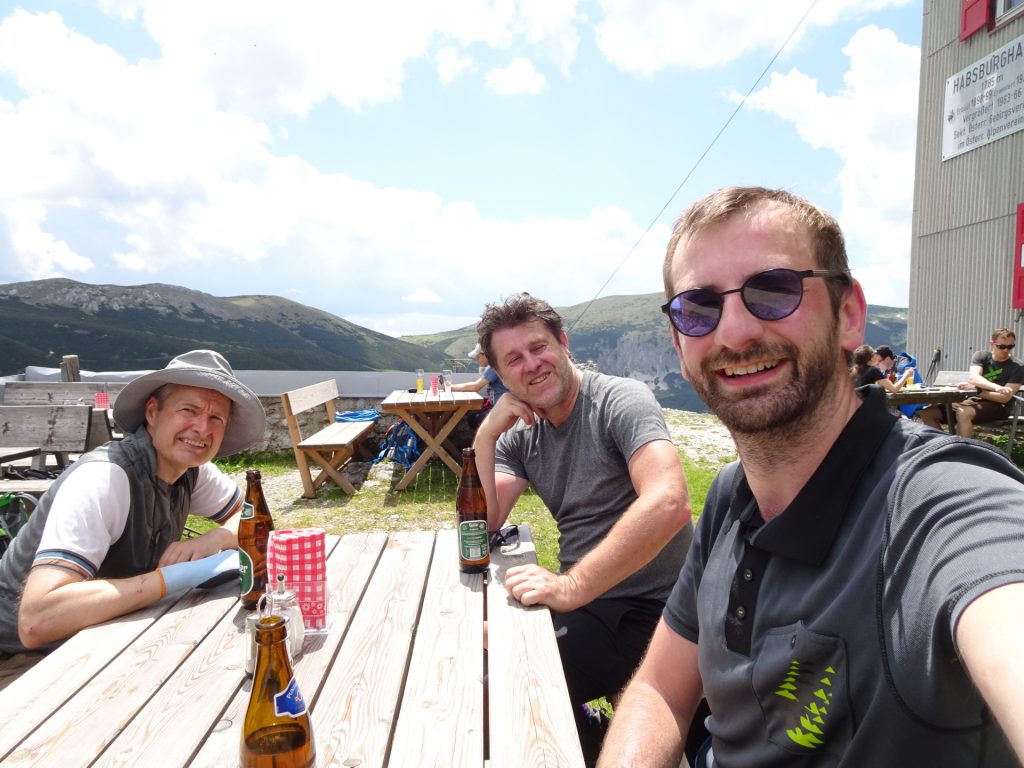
(402, 163)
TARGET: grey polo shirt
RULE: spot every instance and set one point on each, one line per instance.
(826, 635)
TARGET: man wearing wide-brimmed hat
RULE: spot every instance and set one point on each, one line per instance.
(106, 537)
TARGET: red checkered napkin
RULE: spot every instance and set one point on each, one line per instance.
(300, 555)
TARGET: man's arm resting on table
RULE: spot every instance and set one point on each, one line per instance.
(988, 637)
(57, 602)
(501, 490)
(989, 390)
(470, 386)
(1002, 394)
(654, 714)
(662, 507)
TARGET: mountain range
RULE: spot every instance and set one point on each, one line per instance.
(114, 327)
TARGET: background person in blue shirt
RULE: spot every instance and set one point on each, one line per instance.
(489, 379)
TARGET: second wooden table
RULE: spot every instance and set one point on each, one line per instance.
(432, 417)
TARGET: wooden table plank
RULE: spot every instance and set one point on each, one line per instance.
(89, 722)
(531, 720)
(349, 568)
(353, 716)
(406, 686)
(441, 719)
(16, 452)
(198, 691)
(66, 670)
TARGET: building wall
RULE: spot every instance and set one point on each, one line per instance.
(965, 208)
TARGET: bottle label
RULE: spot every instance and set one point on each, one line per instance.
(473, 539)
(245, 571)
(289, 701)
(248, 513)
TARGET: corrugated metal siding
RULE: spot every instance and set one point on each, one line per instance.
(964, 208)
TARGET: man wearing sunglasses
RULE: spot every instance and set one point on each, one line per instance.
(854, 591)
(597, 451)
(995, 375)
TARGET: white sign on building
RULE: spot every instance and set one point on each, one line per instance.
(985, 101)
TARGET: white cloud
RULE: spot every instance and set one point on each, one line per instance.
(38, 253)
(650, 36)
(450, 64)
(871, 125)
(174, 159)
(423, 296)
(133, 262)
(518, 77)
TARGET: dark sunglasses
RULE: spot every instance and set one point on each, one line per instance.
(770, 295)
(506, 537)
(1005, 346)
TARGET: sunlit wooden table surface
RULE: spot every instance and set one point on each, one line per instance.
(432, 417)
(400, 678)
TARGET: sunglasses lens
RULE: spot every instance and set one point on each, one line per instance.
(1006, 346)
(696, 312)
(774, 294)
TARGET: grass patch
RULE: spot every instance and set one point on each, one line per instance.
(270, 463)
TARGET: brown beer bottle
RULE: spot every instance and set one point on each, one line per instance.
(471, 509)
(277, 732)
(254, 529)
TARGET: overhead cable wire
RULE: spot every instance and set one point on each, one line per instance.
(697, 163)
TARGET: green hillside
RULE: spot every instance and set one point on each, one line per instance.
(115, 331)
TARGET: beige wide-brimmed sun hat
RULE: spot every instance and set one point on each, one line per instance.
(198, 368)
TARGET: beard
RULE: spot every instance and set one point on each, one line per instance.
(779, 408)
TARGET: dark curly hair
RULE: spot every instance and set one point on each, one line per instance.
(515, 310)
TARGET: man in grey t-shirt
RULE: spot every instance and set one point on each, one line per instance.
(597, 452)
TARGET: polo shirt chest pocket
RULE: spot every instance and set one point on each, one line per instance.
(801, 682)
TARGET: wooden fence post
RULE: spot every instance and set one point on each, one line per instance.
(69, 370)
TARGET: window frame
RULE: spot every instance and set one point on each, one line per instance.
(1003, 14)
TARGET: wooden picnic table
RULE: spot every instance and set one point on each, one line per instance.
(432, 416)
(400, 677)
(933, 395)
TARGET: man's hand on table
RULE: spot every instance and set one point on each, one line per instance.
(209, 543)
(535, 585)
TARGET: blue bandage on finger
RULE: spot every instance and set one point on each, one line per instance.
(207, 572)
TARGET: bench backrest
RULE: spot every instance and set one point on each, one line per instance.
(59, 392)
(306, 398)
(52, 428)
(950, 377)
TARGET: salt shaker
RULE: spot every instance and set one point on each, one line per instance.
(284, 602)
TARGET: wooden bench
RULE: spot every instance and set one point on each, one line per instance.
(56, 429)
(330, 448)
(70, 392)
(59, 392)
